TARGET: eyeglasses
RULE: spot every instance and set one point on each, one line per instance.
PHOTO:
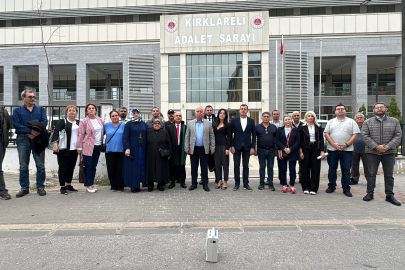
(379, 108)
(31, 97)
(341, 109)
(177, 116)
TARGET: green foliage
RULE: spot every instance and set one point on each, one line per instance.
(394, 110)
(363, 110)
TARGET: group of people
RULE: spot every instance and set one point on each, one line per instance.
(140, 154)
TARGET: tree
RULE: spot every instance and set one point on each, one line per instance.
(363, 110)
(394, 110)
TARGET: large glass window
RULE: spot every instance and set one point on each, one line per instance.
(386, 82)
(255, 77)
(64, 87)
(174, 78)
(214, 78)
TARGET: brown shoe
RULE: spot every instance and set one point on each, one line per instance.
(5, 196)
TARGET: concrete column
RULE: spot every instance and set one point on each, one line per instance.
(11, 95)
(45, 81)
(265, 82)
(82, 86)
(398, 81)
(311, 72)
(359, 82)
(245, 75)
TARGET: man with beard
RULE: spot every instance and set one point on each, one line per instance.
(123, 115)
(155, 115)
(170, 116)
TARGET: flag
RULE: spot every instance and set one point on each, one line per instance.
(281, 47)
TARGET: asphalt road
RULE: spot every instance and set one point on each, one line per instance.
(313, 249)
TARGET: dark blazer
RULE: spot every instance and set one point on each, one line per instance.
(246, 138)
(300, 125)
(60, 125)
(294, 143)
(171, 129)
(212, 120)
(304, 137)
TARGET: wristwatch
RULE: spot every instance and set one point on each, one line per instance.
(347, 145)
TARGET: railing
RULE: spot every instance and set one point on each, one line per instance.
(97, 95)
(333, 91)
(62, 94)
(382, 90)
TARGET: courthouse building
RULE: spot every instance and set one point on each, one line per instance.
(179, 54)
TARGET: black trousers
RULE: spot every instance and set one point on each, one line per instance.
(66, 167)
(114, 162)
(245, 154)
(178, 172)
(311, 168)
(199, 156)
(355, 172)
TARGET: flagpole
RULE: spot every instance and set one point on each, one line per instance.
(300, 80)
(276, 75)
(320, 79)
(282, 77)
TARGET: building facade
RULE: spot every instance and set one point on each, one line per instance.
(185, 53)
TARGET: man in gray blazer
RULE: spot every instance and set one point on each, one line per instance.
(198, 143)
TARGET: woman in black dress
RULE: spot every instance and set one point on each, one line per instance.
(222, 131)
(157, 167)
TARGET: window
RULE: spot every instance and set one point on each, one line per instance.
(345, 9)
(214, 78)
(281, 12)
(2, 23)
(174, 79)
(62, 21)
(29, 22)
(93, 19)
(313, 11)
(122, 18)
(386, 82)
(380, 8)
(64, 87)
(98, 87)
(28, 83)
(149, 17)
(255, 77)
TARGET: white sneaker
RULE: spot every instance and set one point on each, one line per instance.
(306, 192)
(312, 193)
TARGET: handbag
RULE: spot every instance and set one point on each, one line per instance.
(82, 175)
(103, 147)
(62, 141)
(164, 153)
(281, 154)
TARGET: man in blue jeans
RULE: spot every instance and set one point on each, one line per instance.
(265, 139)
(341, 132)
(21, 116)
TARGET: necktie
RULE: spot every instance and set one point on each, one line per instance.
(178, 131)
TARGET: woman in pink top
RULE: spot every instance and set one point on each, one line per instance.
(89, 142)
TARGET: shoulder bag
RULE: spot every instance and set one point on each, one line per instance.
(103, 147)
(62, 139)
(281, 154)
(164, 153)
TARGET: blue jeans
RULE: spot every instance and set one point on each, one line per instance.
(24, 151)
(283, 171)
(345, 158)
(266, 156)
(90, 163)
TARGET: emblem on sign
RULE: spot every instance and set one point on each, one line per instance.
(257, 22)
(171, 25)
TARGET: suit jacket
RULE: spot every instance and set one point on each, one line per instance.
(172, 130)
(245, 139)
(294, 142)
(300, 125)
(208, 137)
(212, 120)
(305, 140)
(87, 138)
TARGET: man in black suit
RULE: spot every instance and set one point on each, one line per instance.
(209, 114)
(297, 124)
(177, 132)
(243, 144)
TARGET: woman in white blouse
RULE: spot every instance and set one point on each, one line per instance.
(312, 146)
(67, 158)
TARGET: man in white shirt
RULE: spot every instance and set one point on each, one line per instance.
(276, 121)
(341, 132)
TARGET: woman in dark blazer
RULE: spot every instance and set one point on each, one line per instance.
(291, 148)
(311, 147)
(67, 158)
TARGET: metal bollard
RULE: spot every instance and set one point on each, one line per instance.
(212, 246)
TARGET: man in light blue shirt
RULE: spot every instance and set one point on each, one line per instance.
(199, 131)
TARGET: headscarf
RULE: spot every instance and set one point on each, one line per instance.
(131, 115)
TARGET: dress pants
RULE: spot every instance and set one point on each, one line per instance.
(221, 163)
(355, 172)
(245, 154)
(114, 162)
(66, 167)
(311, 168)
(178, 172)
(199, 156)
(90, 163)
(3, 189)
(388, 163)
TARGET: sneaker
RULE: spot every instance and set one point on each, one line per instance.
(293, 191)
(312, 193)
(63, 191)
(5, 196)
(247, 187)
(271, 187)
(22, 192)
(41, 192)
(306, 192)
(330, 190)
(261, 187)
(285, 189)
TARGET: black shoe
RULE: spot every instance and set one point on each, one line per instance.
(41, 192)
(121, 190)
(352, 182)
(150, 189)
(206, 188)
(236, 188)
(192, 187)
(368, 197)
(261, 187)
(247, 187)
(347, 193)
(135, 190)
(172, 185)
(70, 188)
(178, 181)
(161, 188)
(63, 191)
(182, 185)
(200, 183)
(22, 192)
(330, 190)
(271, 187)
(392, 200)
(267, 183)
